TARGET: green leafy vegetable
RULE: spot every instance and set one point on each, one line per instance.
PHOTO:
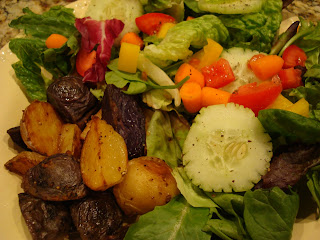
(175, 220)
(286, 127)
(194, 195)
(313, 184)
(58, 20)
(270, 214)
(259, 214)
(33, 53)
(135, 84)
(175, 46)
(255, 31)
(164, 137)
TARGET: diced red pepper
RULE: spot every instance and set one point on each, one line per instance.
(218, 74)
(294, 56)
(290, 78)
(150, 23)
(257, 96)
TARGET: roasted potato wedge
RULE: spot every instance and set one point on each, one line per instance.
(69, 141)
(87, 128)
(40, 128)
(104, 156)
(147, 184)
(23, 161)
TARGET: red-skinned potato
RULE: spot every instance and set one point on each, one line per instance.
(147, 184)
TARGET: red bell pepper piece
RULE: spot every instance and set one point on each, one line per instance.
(290, 78)
(257, 96)
(150, 23)
(218, 74)
(293, 56)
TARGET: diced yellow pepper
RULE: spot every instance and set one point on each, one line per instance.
(301, 107)
(209, 54)
(128, 57)
(280, 103)
(164, 29)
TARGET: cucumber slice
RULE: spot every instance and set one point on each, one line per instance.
(226, 149)
(238, 59)
(231, 6)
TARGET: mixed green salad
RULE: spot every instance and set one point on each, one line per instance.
(217, 199)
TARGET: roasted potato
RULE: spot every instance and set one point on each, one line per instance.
(21, 163)
(69, 141)
(87, 128)
(147, 184)
(40, 128)
(104, 156)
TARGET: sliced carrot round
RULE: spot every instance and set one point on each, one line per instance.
(56, 41)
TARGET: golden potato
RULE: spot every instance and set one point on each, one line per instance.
(104, 156)
(40, 128)
(147, 184)
(69, 141)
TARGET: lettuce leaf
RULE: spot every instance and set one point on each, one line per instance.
(175, 46)
(33, 54)
(255, 31)
(175, 220)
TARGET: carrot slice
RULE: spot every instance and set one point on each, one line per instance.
(56, 41)
(267, 66)
(187, 70)
(190, 93)
(213, 96)
(132, 38)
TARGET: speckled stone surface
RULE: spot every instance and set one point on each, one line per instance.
(10, 9)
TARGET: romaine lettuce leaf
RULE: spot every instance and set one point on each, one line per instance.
(175, 46)
(175, 220)
(58, 20)
(33, 53)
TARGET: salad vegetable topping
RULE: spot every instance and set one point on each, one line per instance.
(208, 119)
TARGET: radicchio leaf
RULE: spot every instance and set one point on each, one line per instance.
(101, 34)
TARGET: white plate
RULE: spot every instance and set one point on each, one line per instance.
(12, 225)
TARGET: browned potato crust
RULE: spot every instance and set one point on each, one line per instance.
(147, 184)
(40, 128)
(23, 161)
(69, 141)
(104, 156)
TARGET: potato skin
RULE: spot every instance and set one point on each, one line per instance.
(147, 184)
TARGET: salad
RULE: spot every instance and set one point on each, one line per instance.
(222, 106)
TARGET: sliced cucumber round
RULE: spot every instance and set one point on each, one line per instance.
(227, 149)
(238, 59)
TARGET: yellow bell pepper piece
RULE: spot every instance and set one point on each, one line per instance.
(301, 107)
(128, 57)
(280, 103)
(209, 54)
(164, 29)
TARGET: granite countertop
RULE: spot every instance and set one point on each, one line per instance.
(10, 9)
